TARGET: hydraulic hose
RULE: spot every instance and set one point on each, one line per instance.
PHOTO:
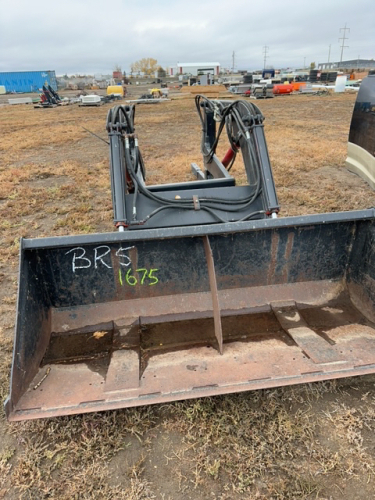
(121, 120)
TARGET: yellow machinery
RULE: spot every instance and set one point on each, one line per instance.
(116, 90)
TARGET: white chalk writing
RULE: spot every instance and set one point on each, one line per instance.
(101, 257)
(79, 257)
(126, 258)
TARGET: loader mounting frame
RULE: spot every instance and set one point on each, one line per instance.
(214, 197)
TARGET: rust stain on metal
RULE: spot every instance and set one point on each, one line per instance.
(272, 267)
(133, 254)
(287, 255)
(316, 293)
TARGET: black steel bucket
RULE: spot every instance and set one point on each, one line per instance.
(115, 320)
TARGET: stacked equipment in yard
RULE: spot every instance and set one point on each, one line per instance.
(91, 100)
(50, 99)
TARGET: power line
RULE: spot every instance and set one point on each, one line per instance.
(343, 38)
(265, 51)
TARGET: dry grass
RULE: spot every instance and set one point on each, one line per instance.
(269, 444)
(307, 442)
(68, 458)
(25, 128)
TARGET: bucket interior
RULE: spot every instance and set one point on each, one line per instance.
(111, 324)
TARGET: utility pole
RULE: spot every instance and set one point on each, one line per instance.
(233, 61)
(329, 53)
(265, 52)
(343, 38)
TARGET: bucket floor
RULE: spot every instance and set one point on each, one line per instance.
(169, 358)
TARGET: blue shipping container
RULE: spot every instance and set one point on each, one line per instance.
(27, 81)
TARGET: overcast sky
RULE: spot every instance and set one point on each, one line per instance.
(93, 36)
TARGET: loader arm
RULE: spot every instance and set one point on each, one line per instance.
(214, 197)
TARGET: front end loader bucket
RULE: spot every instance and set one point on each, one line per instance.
(146, 316)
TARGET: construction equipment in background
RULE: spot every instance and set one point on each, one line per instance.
(111, 98)
(158, 93)
(288, 89)
(283, 89)
(268, 73)
(264, 91)
(299, 86)
(308, 89)
(328, 76)
(97, 100)
(261, 91)
(50, 98)
(361, 145)
(154, 96)
(340, 85)
(201, 291)
(91, 100)
(116, 90)
(241, 89)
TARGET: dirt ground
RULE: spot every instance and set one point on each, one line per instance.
(314, 441)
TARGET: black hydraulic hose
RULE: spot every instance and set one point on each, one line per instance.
(250, 108)
(243, 202)
(143, 189)
(253, 110)
(206, 209)
(189, 202)
(250, 216)
(119, 116)
(247, 200)
(183, 207)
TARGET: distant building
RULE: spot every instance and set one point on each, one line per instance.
(195, 69)
(352, 64)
